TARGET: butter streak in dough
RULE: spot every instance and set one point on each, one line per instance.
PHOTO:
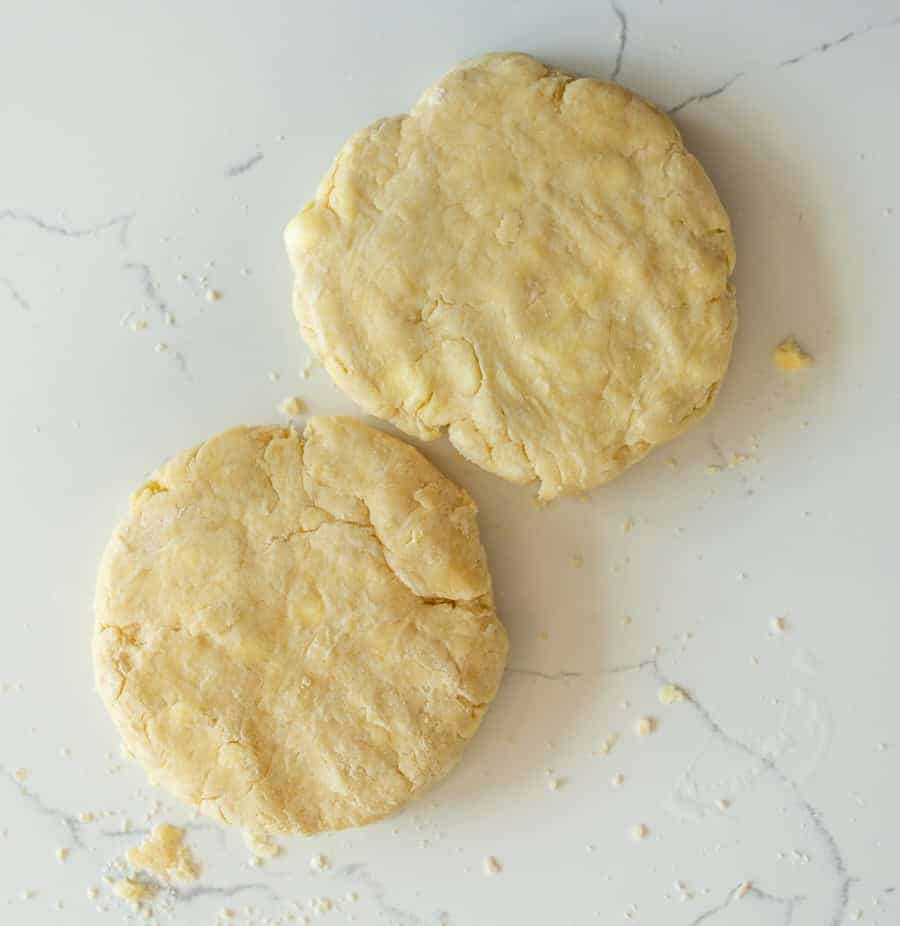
(298, 633)
(530, 261)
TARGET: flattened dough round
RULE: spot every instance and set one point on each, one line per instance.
(298, 633)
(531, 261)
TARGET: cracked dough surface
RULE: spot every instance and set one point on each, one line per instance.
(530, 261)
(297, 633)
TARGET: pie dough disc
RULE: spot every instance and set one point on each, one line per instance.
(297, 633)
(530, 261)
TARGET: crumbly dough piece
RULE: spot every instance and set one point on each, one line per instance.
(530, 261)
(298, 633)
(165, 854)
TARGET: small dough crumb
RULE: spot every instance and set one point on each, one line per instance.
(671, 694)
(139, 324)
(261, 846)
(554, 783)
(778, 624)
(161, 347)
(86, 817)
(92, 892)
(607, 744)
(645, 726)
(62, 853)
(617, 780)
(790, 356)
(21, 774)
(292, 406)
(320, 863)
(627, 525)
(639, 831)
(744, 889)
(165, 854)
(492, 865)
(723, 804)
(133, 891)
(213, 295)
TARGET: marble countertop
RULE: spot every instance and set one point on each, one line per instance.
(153, 151)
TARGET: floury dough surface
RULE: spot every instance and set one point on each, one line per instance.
(298, 633)
(530, 261)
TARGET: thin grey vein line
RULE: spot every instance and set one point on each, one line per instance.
(243, 166)
(70, 231)
(623, 39)
(17, 297)
(835, 43)
(708, 95)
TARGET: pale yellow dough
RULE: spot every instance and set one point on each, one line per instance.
(298, 633)
(530, 261)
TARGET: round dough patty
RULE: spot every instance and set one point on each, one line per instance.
(533, 262)
(298, 633)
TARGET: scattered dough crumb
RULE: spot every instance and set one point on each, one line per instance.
(743, 889)
(21, 774)
(292, 406)
(713, 468)
(790, 356)
(322, 904)
(165, 854)
(261, 846)
(62, 853)
(778, 624)
(671, 694)
(133, 891)
(352, 896)
(639, 831)
(86, 817)
(554, 783)
(607, 744)
(274, 376)
(723, 804)
(92, 892)
(320, 863)
(645, 726)
(492, 865)
(627, 525)
(617, 780)
(161, 347)
(213, 295)
(139, 324)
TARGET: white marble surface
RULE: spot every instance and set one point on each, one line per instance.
(143, 141)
